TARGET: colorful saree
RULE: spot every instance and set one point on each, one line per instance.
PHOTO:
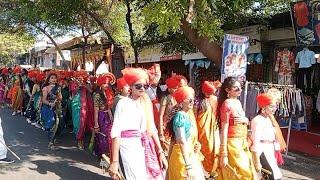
(177, 170)
(208, 132)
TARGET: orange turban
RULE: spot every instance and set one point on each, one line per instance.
(172, 83)
(121, 82)
(132, 75)
(265, 99)
(209, 87)
(183, 93)
(154, 73)
(107, 78)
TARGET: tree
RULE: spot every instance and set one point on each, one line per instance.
(35, 17)
(14, 44)
(203, 21)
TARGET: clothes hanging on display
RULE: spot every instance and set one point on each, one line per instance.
(285, 66)
(318, 102)
(301, 13)
(305, 59)
(292, 101)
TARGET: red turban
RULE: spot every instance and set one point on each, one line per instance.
(40, 76)
(121, 82)
(265, 99)
(182, 80)
(32, 74)
(209, 87)
(183, 93)
(107, 78)
(172, 83)
(132, 75)
(5, 71)
(17, 70)
(154, 73)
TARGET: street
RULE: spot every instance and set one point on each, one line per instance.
(37, 162)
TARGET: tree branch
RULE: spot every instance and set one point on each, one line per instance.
(97, 19)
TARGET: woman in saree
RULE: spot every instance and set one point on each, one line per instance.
(235, 157)
(17, 95)
(264, 138)
(166, 105)
(51, 107)
(184, 160)
(208, 129)
(34, 97)
(103, 115)
(2, 92)
(37, 101)
(134, 134)
(79, 106)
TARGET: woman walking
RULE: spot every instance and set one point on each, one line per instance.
(102, 116)
(184, 160)
(166, 105)
(51, 107)
(208, 128)
(234, 151)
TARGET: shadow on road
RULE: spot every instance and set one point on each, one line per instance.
(30, 144)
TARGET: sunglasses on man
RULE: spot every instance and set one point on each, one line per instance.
(140, 86)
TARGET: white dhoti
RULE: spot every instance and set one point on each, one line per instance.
(3, 149)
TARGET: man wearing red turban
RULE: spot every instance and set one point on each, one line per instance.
(266, 142)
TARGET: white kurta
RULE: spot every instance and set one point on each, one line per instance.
(3, 149)
(129, 116)
(263, 130)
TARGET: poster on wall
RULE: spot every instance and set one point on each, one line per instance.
(306, 20)
(234, 57)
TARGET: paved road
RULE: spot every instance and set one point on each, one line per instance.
(69, 163)
(37, 162)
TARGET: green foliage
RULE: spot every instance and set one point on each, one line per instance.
(14, 44)
(211, 17)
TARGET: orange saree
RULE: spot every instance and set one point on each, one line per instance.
(208, 132)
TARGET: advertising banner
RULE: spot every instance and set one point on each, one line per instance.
(234, 58)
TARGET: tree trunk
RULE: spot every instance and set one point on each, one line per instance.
(128, 19)
(83, 62)
(210, 49)
(53, 41)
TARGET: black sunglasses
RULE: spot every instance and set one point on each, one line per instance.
(191, 101)
(140, 86)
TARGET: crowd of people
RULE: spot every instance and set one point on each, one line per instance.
(149, 133)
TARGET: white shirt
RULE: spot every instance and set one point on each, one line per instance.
(262, 130)
(129, 115)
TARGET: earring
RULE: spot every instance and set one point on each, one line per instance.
(228, 95)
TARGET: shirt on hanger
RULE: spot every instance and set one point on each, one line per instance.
(305, 58)
(285, 63)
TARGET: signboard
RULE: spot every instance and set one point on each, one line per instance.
(253, 32)
(306, 20)
(234, 57)
(152, 54)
